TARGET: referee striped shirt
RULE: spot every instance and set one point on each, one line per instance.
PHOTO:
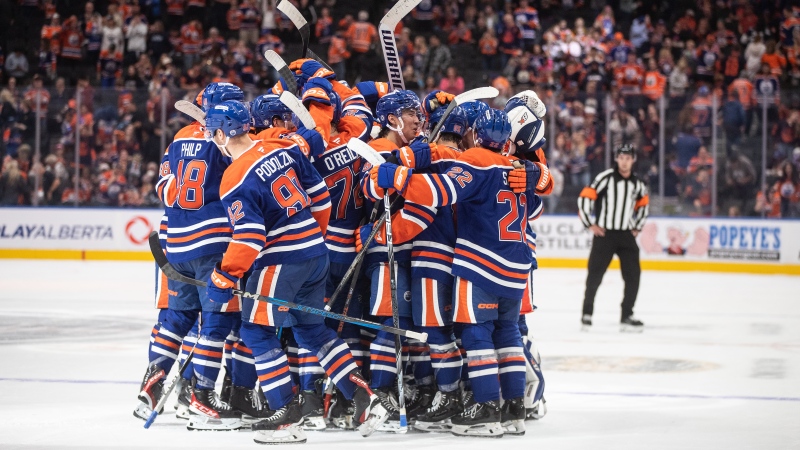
(613, 202)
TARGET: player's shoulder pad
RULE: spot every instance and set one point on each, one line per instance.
(269, 133)
(237, 173)
(192, 131)
(481, 158)
(383, 145)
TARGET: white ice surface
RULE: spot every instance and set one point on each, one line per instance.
(718, 366)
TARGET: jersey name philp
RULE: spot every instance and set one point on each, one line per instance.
(190, 150)
(191, 172)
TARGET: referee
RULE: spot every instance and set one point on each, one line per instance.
(614, 208)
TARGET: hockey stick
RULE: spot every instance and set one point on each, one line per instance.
(286, 7)
(165, 395)
(389, 45)
(355, 266)
(191, 110)
(173, 274)
(314, 56)
(460, 99)
(299, 110)
(279, 64)
(300, 22)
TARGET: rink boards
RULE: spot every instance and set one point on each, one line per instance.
(667, 243)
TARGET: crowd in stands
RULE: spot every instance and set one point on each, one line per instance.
(112, 70)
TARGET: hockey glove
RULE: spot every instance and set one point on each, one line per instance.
(315, 142)
(416, 155)
(531, 175)
(279, 87)
(362, 234)
(390, 176)
(318, 90)
(305, 69)
(220, 285)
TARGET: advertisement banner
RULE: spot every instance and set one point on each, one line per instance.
(719, 240)
(77, 229)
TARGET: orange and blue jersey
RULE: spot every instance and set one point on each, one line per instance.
(190, 176)
(279, 207)
(491, 248)
(528, 21)
(340, 167)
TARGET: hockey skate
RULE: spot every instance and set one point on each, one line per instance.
(512, 416)
(389, 402)
(184, 389)
(284, 426)
(421, 399)
(631, 324)
(369, 411)
(211, 413)
(151, 391)
(312, 411)
(341, 412)
(586, 322)
(227, 386)
(250, 403)
(437, 418)
(478, 420)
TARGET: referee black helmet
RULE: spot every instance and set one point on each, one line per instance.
(625, 149)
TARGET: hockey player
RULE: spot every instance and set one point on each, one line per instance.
(274, 120)
(196, 237)
(279, 208)
(525, 112)
(491, 264)
(197, 233)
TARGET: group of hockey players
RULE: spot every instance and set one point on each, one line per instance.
(256, 201)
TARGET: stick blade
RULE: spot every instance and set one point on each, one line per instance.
(191, 110)
(279, 64)
(298, 109)
(365, 151)
(286, 7)
(398, 11)
(477, 93)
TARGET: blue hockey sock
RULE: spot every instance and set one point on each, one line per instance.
(481, 361)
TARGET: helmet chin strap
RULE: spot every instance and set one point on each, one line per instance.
(224, 147)
(399, 130)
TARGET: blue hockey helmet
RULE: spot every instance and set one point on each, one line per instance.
(455, 123)
(230, 116)
(492, 129)
(216, 93)
(474, 109)
(266, 107)
(395, 103)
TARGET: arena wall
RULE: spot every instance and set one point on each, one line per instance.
(667, 243)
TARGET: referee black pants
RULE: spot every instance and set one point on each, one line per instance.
(623, 244)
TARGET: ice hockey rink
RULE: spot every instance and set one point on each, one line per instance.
(718, 366)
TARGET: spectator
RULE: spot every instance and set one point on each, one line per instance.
(733, 121)
(16, 64)
(250, 22)
(438, 58)
(752, 54)
(788, 189)
(702, 161)
(640, 34)
(697, 193)
(774, 59)
(361, 37)
(510, 40)
(686, 146)
(740, 181)
(233, 19)
(13, 187)
(527, 19)
(453, 83)
(488, 47)
(654, 82)
(324, 29)
(623, 129)
(768, 205)
(112, 34)
(136, 37)
(605, 21)
(702, 109)
(460, 35)
(338, 53)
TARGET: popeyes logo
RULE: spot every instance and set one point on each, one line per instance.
(138, 230)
